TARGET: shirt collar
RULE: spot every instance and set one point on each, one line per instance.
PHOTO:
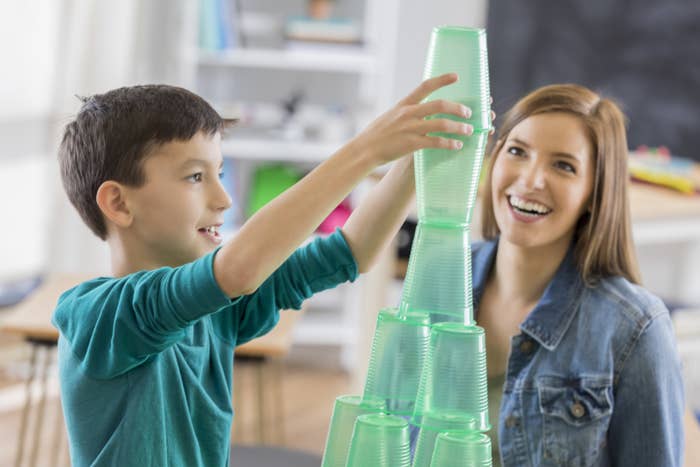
(552, 315)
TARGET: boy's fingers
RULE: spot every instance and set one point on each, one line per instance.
(443, 125)
(427, 87)
(438, 142)
(442, 107)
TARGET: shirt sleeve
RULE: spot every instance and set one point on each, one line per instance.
(114, 325)
(322, 264)
(647, 422)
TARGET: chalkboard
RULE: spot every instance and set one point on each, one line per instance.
(645, 54)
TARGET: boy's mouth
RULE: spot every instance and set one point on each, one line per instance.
(211, 233)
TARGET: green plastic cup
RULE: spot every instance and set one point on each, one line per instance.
(396, 361)
(380, 440)
(447, 181)
(345, 413)
(462, 450)
(454, 377)
(439, 276)
(435, 423)
(455, 49)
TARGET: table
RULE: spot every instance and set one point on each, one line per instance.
(269, 456)
(31, 319)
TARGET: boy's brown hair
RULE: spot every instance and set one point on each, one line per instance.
(603, 237)
(114, 132)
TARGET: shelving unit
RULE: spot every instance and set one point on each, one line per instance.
(357, 78)
(342, 60)
(279, 151)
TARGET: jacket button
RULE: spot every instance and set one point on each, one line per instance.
(577, 410)
(527, 346)
(512, 421)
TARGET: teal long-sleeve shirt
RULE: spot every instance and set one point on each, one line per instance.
(146, 360)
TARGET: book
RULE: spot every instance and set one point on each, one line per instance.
(336, 30)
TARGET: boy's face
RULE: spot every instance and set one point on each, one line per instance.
(178, 211)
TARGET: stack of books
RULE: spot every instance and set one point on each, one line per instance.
(332, 30)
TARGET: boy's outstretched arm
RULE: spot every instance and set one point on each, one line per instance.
(375, 222)
(274, 232)
(379, 216)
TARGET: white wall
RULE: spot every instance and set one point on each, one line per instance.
(417, 18)
(27, 38)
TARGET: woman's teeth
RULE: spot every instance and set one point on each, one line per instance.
(528, 207)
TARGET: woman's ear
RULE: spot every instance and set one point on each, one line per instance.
(111, 199)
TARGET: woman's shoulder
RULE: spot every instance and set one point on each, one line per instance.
(632, 301)
(483, 249)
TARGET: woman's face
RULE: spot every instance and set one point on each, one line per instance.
(542, 180)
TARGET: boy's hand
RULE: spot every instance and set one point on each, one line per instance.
(403, 129)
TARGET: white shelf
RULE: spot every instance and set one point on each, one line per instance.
(278, 150)
(344, 60)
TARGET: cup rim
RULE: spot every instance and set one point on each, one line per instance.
(417, 318)
(458, 437)
(361, 401)
(458, 328)
(459, 30)
(382, 420)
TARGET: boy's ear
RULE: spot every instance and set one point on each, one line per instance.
(112, 202)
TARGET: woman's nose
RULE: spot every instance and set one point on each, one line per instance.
(534, 176)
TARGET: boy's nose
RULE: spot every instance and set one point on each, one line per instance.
(220, 199)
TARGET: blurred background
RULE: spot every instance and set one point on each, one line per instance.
(304, 77)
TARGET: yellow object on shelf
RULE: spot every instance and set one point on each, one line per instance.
(674, 181)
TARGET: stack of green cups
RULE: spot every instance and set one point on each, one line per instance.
(428, 357)
(380, 440)
(439, 276)
(462, 450)
(345, 413)
(396, 362)
(435, 423)
(454, 377)
(447, 180)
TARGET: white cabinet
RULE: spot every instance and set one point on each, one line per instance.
(352, 83)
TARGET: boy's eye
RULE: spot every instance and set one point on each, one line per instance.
(195, 178)
(221, 175)
(565, 166)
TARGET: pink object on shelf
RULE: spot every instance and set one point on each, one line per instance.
(336, 218)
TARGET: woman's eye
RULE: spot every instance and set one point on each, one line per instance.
(566, 167)
(516, 151)
(195, 178)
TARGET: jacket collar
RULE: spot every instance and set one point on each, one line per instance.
(548, 321)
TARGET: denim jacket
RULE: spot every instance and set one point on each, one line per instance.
(594, 377)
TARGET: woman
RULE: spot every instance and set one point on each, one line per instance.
(584, 358)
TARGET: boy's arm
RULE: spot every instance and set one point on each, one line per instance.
(378, 218)
(274, 232)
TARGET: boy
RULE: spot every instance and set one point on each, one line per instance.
(146, 356)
